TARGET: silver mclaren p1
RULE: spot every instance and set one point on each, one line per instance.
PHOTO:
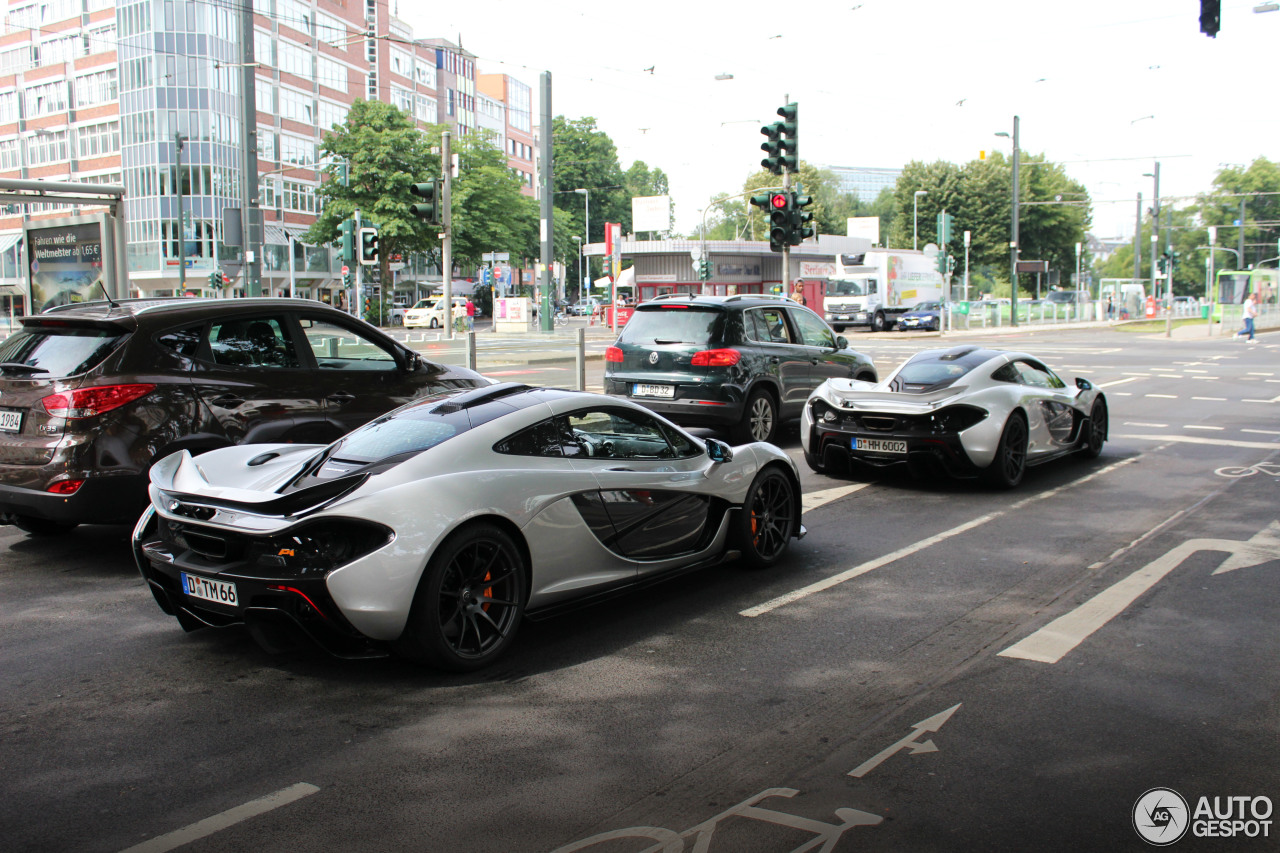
(968, 411)
(432, 531)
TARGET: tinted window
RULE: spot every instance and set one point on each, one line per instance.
(59, 350)
(541, 439)
(674, 325)
(252, 342)
(339, 348)
(813, 331)
(1037, 376)
(769, 325)
(619, 434)
(184, 342)
(409, 431)
(938, 368)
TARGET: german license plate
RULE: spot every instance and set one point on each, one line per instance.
(209, 589)
(879, 445)
(640, 390)
(10, 421)
(842, 316)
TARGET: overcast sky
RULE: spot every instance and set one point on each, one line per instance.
(1106, 87)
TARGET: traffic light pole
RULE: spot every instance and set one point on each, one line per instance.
(786, 248)
(446, 235)
(358, 290)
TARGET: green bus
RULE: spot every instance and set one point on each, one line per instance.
(1232, 287)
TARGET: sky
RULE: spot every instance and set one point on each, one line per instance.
(1107, 88)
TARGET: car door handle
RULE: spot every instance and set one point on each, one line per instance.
(228, 401)
(340, 397)
(620, 469)
(774, 359)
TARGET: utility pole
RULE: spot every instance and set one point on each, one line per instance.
(250, 212)
(546, 224)
(1137, 244)
(1155, 232)
(178, 140)
(786, 246)
(1243, 265)
(1013, 243)
(446, 235)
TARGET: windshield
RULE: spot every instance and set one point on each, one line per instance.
(928, 306)
(844, 287)
(1232, 289)
(935, 369)
(673, 324)
(1065, 296)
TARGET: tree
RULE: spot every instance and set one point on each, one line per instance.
(1258, 186)
(585, 158)
(490, 214)
(384, 153)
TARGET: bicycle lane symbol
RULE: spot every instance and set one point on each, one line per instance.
(1234, 472)
(826, 835)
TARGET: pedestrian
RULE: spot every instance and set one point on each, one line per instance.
(798, 294)
(471, 315)
(1111, 308)
(1250, 314)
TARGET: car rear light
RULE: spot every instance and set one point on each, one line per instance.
(956, 418)
(65, 487)
(613, 355)
(716, 358)
(87, 402)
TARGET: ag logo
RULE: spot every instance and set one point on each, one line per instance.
(1160, 816)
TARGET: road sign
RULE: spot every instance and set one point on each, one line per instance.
(345, 269)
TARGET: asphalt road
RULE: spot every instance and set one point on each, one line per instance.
(937, 666)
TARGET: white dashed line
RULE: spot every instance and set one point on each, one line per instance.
(1162, 396)
(1148, 426)
(1199, 426)
(1262, 431)
(1195, 439)
(1211, 399)
(1118, 382)
(219, 822)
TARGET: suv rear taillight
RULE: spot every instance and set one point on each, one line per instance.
(716, 358)
(87, 402)
(613, 354)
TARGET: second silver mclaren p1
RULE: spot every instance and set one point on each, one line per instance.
(968, 411)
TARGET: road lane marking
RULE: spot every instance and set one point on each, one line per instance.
(872, 565)
(1163, 396)
(1055, 640)
(1262, 431)
(1247, 400)
(1195, 439)
(1149, 426)
(813, 500)
(911, 742)
(219, 822)
(1201, 426)
(1259, 373)
(1211, 399)
(1118, 382)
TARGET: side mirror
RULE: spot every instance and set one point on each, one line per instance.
(719, 451)
(842, 342)
(1083, 384)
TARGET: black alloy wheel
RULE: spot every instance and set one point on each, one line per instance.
(469, 602)
(769, 518)
(759, 419)
(1097, 430)
(878, 322)
(1010, 462)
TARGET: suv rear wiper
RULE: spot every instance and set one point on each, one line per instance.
(19, 367)
(664, 341)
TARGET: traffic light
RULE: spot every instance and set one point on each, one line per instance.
(368, 246)
(790, 126)
(779, 220)
(704, 269)
(215, 279)
(347, 239)
(800, 229)
(940, 260)
(347, 279)
(430, 208)
(1210, 17)
(773, 146)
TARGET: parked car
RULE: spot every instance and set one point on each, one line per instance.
(743, 363)
(433, 530)
(927, 316)
(585, 307)
(967, 411)
(428, 312)
(92, 394)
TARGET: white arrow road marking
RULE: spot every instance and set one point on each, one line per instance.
(920, 545)
(813, 500)
(1052, 642)
(909, 743)
(219, 822)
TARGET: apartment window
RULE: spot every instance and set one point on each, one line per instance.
(15, 59)
(298, 197)
(62, 49)
(331, 114)
(296, 150)
(330, 73)
(295, 60)
(296, 14)
(102, 39)
(424, 71)
(331, 29)
(10, 154)
(401, 63)
(297, 106)
(402, 98)
(264, 48)
(449, 105)
(267, 146)
(46, 99)
(264, 95)
(48, 147)
(425, 109)
(101, 87)
(98, 140)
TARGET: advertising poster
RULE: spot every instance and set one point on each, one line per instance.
(65, 264)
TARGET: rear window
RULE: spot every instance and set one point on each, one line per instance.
(670, 324)
(937, 369)
(49, 350)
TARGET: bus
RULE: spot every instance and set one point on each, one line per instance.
(1233, 286)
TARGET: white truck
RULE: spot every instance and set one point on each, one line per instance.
(874, 289)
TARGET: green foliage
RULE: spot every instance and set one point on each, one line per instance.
(1258, 186)
(490, 214)
(586, 158)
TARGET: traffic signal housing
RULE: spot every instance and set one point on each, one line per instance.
(800, 218)
(1210, 17)
(773, 146)
(215, 280)
(779, 220)
(790, 127)
(347, 240)
(704, 269)
(368, 246)
(431, 206)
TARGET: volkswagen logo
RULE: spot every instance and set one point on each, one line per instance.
(653, 358)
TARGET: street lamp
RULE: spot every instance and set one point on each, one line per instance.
(915, 218)
(578, 240)
(1013, 242)
(586, 227)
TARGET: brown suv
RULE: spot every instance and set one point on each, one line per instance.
(92, 394)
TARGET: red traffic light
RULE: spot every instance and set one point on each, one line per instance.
(779, 200)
